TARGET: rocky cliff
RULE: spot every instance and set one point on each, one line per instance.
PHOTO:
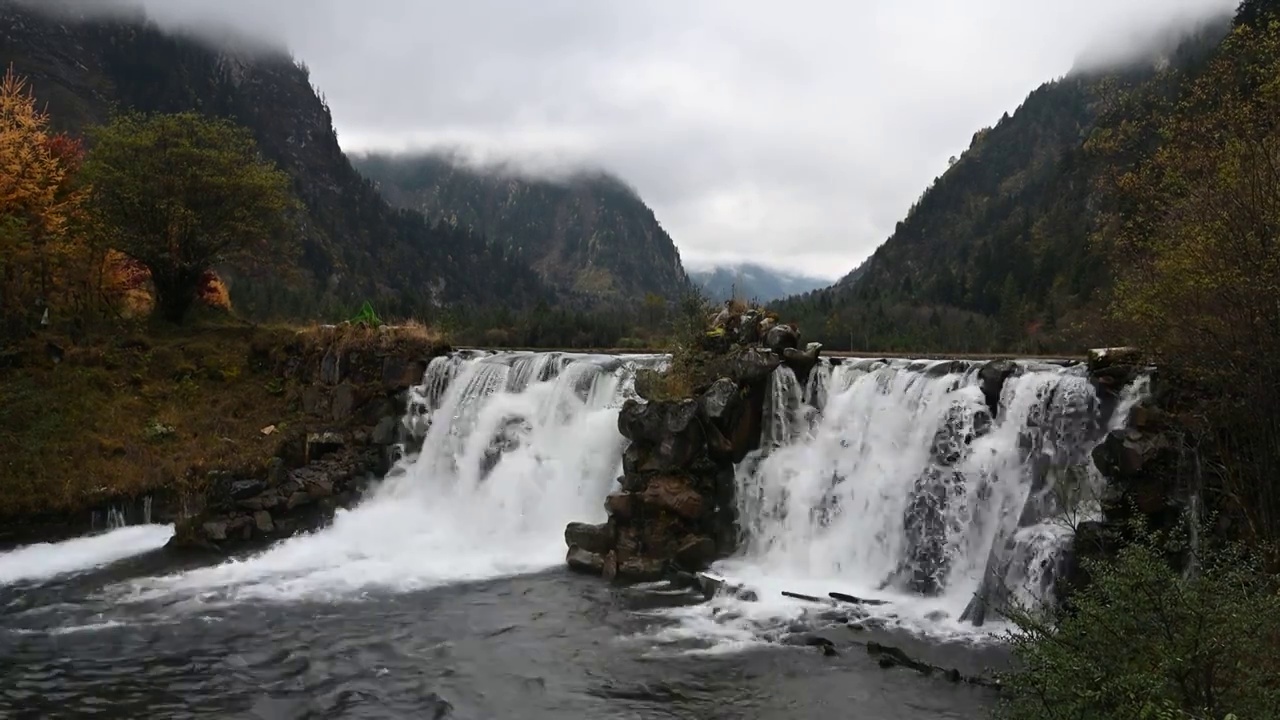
(676, 511)
(585, 233)
(354, 245)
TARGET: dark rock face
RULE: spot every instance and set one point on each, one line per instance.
(993, 376)
(780, 338)
(802, 363)
(675, 511)
(584, 561)
(592, 538)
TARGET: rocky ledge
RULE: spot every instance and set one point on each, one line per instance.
(350, 388)
(675, 509)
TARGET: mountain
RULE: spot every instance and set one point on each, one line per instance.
(1000, 252)
(585, 233)
(749, 281)
(355, 246)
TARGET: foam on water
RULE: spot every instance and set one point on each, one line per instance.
(516, 446)
(47, 560)
(894, 481)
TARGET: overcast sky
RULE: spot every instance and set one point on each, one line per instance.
(796, 134)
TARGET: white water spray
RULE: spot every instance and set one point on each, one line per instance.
(46, 560)
(515, 447)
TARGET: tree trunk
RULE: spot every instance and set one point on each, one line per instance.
(175, 293)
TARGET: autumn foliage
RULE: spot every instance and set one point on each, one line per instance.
(126, 245)
(41, 260)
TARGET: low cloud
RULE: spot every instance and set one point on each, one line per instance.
(792, 135)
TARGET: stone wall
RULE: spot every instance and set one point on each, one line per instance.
(350, 388)
(675, 510)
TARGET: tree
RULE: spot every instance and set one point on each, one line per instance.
(183, 193)
(38, 197)
(1197, 242)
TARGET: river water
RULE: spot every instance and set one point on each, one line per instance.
(444, 594)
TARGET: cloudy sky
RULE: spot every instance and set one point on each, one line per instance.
(792, 133)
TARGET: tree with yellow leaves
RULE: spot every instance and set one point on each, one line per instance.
(39, 198)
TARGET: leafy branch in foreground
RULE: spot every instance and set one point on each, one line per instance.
(1147, 640)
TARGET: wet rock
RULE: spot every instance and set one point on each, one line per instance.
(314, 401)
(640, 569)
(890, 656)
(620, 504)
(675, 495)
(331, 367)
(802, 363)
(344, 402)
(1102, 358)
(992, 377)
(585, 561)
(245, 489)
(592, 538)
(721, 401)
(276, 471)
(751, 365)
(298, 499)
(262, 521)
(780, 337)
(319, 487)
(215, 530)
(696, 553)
(386, 432)
(321, 444)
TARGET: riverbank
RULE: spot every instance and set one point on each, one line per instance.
(138, 419)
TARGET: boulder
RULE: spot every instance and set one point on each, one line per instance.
(802, 363)
(781, 337)
(696, 553)
(639, 569)
(245, 489)
(675, 495)
(344, 402)
(262, 521)
(585, 561)
(721, 401)
(386, 432)
(216, 530)
(331, 367)
(1100, 358)
(314, 401)
(751, 365)
(620, 504)
(592, 538)
(992, 377)
(650, 423)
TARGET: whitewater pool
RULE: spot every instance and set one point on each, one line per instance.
(104, 640)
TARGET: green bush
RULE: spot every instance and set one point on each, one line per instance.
(1147, 641)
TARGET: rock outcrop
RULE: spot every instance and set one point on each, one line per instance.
(674, 510)
(350, 387)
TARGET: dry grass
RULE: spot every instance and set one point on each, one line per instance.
(129, 412)
(409, 336)
(133, 409)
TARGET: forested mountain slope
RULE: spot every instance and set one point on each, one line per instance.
(354, 245)
(585, 233)
(1000, 252)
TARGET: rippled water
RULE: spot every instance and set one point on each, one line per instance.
(547, 645)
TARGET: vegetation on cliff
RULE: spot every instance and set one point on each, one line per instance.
(1193, 209)
(587, 234)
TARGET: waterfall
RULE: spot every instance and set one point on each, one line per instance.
(513, 446)
(897, 478)
(913, 481)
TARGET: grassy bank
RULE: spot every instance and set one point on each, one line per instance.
(131, 409)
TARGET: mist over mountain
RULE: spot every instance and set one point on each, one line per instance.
(583, 231)
(1002, 250)
(751, 281)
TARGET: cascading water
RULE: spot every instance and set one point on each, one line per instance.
(897, 479)
(513, 447)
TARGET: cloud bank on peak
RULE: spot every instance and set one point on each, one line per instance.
(793, 135)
